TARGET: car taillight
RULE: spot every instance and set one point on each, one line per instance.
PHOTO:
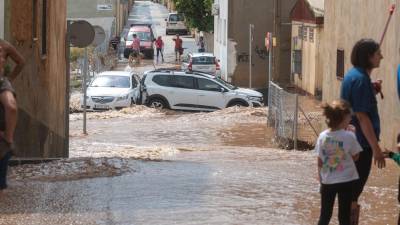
(190, 66)
(217, 65)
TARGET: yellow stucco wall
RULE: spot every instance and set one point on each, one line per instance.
(310, 79)
(345, 23)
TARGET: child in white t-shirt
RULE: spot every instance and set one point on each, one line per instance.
(337, 150)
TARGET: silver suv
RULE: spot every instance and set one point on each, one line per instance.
(183, 90)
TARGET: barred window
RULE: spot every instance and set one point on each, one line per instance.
(297, 58)
(305, 33)
(340, 64)
(311, 34)
(300, 32)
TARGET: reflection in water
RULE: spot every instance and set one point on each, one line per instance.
(230, 186)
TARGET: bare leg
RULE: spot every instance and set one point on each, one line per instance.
(10, 107)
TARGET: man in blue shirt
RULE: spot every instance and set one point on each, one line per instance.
(358, 90)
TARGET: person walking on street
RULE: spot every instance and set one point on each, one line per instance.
(8, 107)
(358, 89)
(135, 47)
(178, 48)
(337, 149)
(115, 42)
(201, 44)
(159, 46)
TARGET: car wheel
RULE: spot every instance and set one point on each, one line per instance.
(238, 104)
(157, 103)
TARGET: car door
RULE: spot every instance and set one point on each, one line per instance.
(184, 92)
(163, 86)
(211, 95)
(135, 88)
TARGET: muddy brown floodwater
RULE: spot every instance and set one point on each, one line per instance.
(143, 166)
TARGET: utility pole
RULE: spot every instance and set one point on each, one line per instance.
(251, 34)
(276, 32)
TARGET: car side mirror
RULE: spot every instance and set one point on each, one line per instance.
(222, 90)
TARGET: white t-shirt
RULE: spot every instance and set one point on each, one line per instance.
(335, 149)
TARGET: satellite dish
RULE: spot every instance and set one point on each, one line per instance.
(99, 37)
(81, 34)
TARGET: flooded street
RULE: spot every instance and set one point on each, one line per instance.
(168, 167)
(145, 166)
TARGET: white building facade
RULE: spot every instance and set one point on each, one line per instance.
(221, 36)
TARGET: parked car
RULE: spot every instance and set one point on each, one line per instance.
(112, 90)
(176, 24)
(202, 62)
(185, 90)
(145, 33)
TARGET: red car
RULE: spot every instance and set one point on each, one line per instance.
(145, 33)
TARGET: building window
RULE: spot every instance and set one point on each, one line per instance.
(300, 32)
(311, 34)
(305, 33)
(297, 58)
(44, 28)
(340, 64)
(225, 33)
(34, 20)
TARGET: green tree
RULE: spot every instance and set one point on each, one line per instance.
(197, 13)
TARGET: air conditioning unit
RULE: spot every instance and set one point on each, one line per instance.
(215, 9)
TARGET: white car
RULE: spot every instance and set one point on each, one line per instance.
(202, 62)
(112, 90)
(183, 90)
(176, 24)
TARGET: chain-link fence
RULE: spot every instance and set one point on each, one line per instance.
(295, 121)
(282, 115)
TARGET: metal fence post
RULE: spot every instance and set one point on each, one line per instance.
(295, 121)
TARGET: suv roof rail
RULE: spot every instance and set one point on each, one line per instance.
(141, 24)
(193, 72)
(200, 73)
(167, 69)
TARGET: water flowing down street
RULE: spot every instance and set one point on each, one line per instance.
(141, 165)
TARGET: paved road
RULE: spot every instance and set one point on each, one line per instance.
(211, 168)
(147, 12)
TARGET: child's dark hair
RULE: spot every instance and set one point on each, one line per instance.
(335, 112)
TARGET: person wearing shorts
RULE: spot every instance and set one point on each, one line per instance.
(178, 48)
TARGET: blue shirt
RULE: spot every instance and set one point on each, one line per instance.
(357, 89)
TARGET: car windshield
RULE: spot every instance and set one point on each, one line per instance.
(143, 36)
(230, 86)
(176, 18)
(203, 60)
(111, 81)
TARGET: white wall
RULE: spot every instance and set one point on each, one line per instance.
(1, 18)
(221, 37)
